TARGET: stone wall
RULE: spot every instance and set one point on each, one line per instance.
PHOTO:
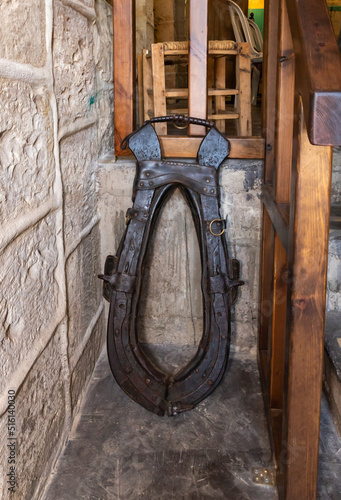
(170, 313)
(56, 112)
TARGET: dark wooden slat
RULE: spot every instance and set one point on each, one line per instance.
(266, 287)
(124, 70)
(279, 310)
(309, 230)
(187, 147)
(318, 65)
(197, 65)
(270, 60)
(276, 212)
(285, 108)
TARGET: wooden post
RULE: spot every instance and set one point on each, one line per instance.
(279, 310)
(220, 79)
(159, 86)
(243, 78)
(147, 85)
(285, 108)
(197, 67)
(140, 86)
(124, 70)
(309, 233)
(270, 84)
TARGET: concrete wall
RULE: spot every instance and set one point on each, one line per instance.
(171, 305)
(55, 120)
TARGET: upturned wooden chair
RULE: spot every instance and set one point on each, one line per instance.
(159, 100)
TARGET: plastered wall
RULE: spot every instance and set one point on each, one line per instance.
(56, 114)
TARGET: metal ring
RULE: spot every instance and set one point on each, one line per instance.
(181, 127)
(214, 234)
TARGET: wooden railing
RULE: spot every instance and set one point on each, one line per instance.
(302, 107)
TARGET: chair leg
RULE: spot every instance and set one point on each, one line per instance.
(159, 85)
(243, 77)
(220, 83)
(254, 84)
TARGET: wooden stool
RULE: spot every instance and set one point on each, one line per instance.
(155, 93)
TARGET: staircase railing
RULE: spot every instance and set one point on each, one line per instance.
(302, 120)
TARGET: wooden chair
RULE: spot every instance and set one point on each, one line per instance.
(158, 100)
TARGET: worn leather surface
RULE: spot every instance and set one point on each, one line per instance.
(155, 181)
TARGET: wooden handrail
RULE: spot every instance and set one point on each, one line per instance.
(318, 69)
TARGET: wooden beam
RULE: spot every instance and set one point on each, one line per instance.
(187, 147)
(278, 214)
(318, 66)
(278, 329)
(285, 108)
(243, 79)
(147, 84)
(124, 70)
(309, 230)
(159, 85)
(140, 86)
(266, 286)
(271, 12)
(197, 66)
(220, 83)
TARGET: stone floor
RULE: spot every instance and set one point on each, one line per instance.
(120, 451)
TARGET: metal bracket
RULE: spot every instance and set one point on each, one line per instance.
(264, 475)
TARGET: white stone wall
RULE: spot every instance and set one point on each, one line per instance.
(56, 115)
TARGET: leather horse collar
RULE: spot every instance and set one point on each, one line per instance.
(155, 181)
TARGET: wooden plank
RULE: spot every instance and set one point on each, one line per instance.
(183, 93)
(309, 230)
(147, 85)
(265, 287)
(224, 116)
(159, 86)
(210, 80)
(278, 331)
(220, 83)
(285, 108)
(187, 147)
(276, 213)
(124, 71)
(270, 61)
(318, 66)
(243, 79)
(197, 66)
(140, 86)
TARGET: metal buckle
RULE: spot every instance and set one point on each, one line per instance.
(210, 227)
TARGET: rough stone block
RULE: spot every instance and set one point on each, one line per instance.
(336, 176)
(86, 363)
(83, 287)
(241, 182)
(74, 69)
(26, 149)
(105, 113)
(334, 272)
(40, 414)
(22, 31)
(29, 292)
(103, 46)
(115, 181)
(77, 154)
